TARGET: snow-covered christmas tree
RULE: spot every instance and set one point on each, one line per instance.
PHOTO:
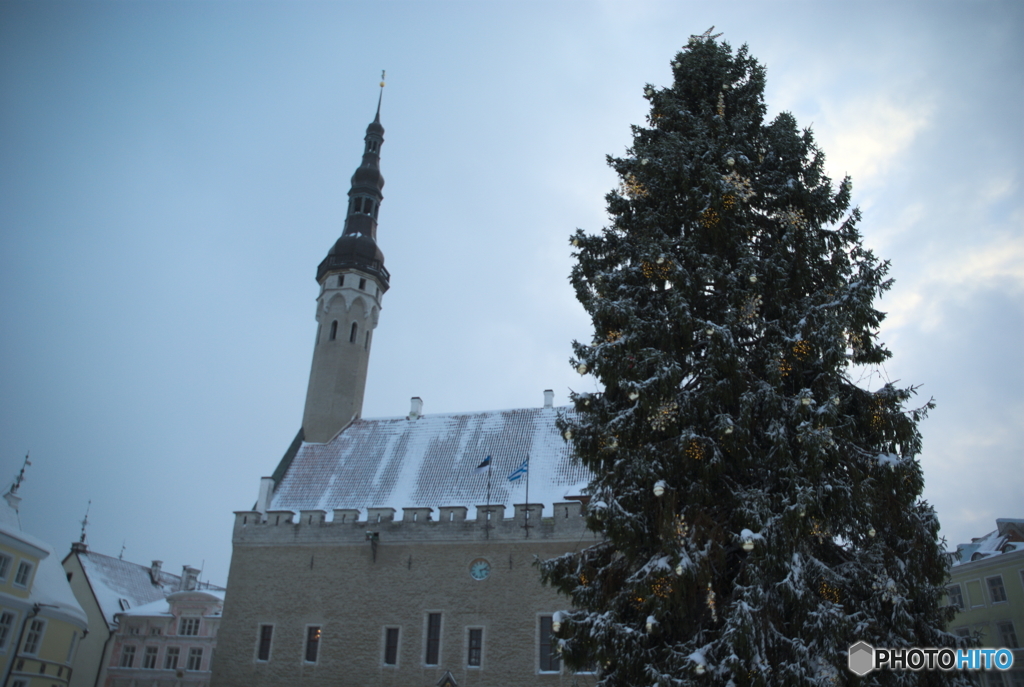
(760, 510)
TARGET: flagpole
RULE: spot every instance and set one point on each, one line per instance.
(487, 526)
(527, 525)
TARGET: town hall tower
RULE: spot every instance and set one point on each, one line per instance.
(352, 281)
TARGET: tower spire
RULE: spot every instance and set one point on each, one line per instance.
(352, 281)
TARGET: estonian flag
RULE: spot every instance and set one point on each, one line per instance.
(483, 467)
(520, 471)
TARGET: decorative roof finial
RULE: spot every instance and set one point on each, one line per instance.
(85, 521)
(21, 475)
(381, 96)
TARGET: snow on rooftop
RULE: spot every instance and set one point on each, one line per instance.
(1006, 538)
(430, 462)
(120, 585)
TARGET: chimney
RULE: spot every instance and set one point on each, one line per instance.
(154, 571)
(549, 398)
(189, 576)
(266, 492)
(417, 408)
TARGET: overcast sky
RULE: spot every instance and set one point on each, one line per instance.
(171, 174)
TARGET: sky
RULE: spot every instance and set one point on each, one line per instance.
(171, 175)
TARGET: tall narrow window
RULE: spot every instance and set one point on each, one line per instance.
(171, 657)
(334, 330)
(433, 639)
(5, 566)
(33, 637)
(341, 280)
(195, 658)
(995, 589)
(266, 636)
(127, 656)
(362, 284)
(352, 334)
(549, 660)
(366, 343)
(24, 571)
(149, 659)
(391, 646)
(956, 597)
(312, 643)
(1008, 634)
(476, 646)
(6, 623)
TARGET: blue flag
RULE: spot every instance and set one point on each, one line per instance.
(483, 467)
(519, 471)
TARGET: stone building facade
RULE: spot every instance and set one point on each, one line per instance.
(366, 592)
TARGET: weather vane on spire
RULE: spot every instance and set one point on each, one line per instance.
(85, 521)
(382, 73)
(21, 475)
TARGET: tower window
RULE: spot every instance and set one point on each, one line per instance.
(334, 330)
(352, 334)
(341, 280)
(366, 345)
(362, 285)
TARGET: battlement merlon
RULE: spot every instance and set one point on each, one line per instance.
(311, 527)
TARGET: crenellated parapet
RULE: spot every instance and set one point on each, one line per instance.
(413, 524)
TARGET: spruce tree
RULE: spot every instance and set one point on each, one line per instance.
(759, 511)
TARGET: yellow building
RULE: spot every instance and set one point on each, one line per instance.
(987, 586)
(41, 623)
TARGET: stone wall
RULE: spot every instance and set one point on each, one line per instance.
(354, 577)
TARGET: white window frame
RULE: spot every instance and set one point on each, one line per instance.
(194, 652)
(168, 655)
(8, 628)
(193, 623)
(5, 566)
(128, 652)
(24, 573)
(959, 593)
(154, 654)
(539, 625)
(29, 631)
(1002, 586)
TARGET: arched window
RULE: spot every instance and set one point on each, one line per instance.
(334, 330)
(366, 345)
(352, 335)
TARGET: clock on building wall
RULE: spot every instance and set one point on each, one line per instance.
(479, 569)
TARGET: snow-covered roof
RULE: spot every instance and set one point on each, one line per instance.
(50, 586)
(431, 461)
(51, 589)
(1007, 537)
(162, 607)
(120, 585)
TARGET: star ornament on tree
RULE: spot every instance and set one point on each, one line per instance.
(706, 36)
